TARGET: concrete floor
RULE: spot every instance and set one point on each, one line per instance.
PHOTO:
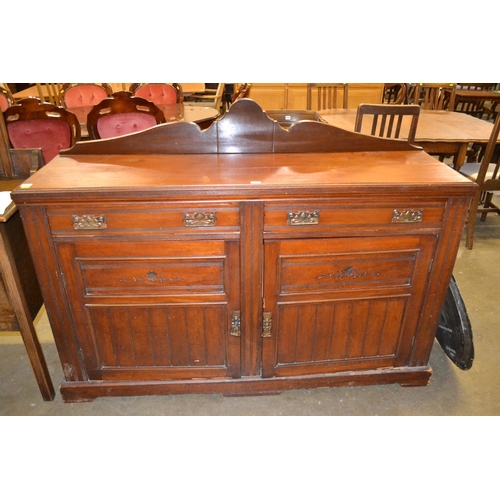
(450, 391)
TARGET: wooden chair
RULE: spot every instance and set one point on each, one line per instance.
(391, 119)
(49, 92)
(395, 93)
(211, 97)
(241, 92)
(474, 107)
(6, 98)
(75, 95)
(487, 175)
(328, 95)
(434, 96)
(122, 113)
(158, 93)
(32, 123)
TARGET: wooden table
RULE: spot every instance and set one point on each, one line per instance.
(19, 290)
(438, 132)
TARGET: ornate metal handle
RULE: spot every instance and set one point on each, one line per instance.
(407, 216)
(89, 222)
(267, 324)
(235, 324)
(303, 218)
(200, 219)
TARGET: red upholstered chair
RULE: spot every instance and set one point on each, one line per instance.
(122, 113)
(159, 93)
(75, 95)
(6, 98)
(34, 124)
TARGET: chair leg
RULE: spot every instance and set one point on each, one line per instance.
(486, 204)
(471, 223)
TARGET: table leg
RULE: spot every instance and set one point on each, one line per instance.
(21, 309)
(460, 156)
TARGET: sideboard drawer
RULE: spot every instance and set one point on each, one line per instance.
(160, 218)
(310, 216)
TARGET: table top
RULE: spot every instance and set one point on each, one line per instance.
(483, 95)
(433, 126)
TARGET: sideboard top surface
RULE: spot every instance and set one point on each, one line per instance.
(242, 175)
(245, 154)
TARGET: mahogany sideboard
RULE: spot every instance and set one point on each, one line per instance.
(244, 258)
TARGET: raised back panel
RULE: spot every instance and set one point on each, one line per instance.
(245, 128)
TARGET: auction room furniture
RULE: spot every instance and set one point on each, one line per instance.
(159, 93)
(434, 96)
(75, 95)
(327, 95)
(209, 97)
(243, 259)
(120, 114)
(438, 132)
(20, 297)
(487, 175)
(6, 98)
(387, 119)
(395, 93)
(32, 123)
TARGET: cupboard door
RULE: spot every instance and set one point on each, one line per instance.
(154, 310)
(342, 304)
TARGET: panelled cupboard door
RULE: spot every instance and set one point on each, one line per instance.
(342, 304)
(154, 310)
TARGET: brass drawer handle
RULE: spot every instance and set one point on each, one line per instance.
(89, 222)
(303, 218)
(235, 324)
(200, 219)
(407, 216)
(267, 325)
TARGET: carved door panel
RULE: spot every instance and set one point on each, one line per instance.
(154, 310)
(342, 303)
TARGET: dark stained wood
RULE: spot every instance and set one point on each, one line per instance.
(255, 132)
(189, 230)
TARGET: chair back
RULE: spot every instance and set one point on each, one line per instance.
(242, 92)
(487, 176)
(395, 93)
(34, 124)
(387, 119)
(122, 113)
(75, 95)
(435, 96)
(328, 95)
(473, 105)
(49, 92)
(6, 98)
(210, 98)
(158, 93)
